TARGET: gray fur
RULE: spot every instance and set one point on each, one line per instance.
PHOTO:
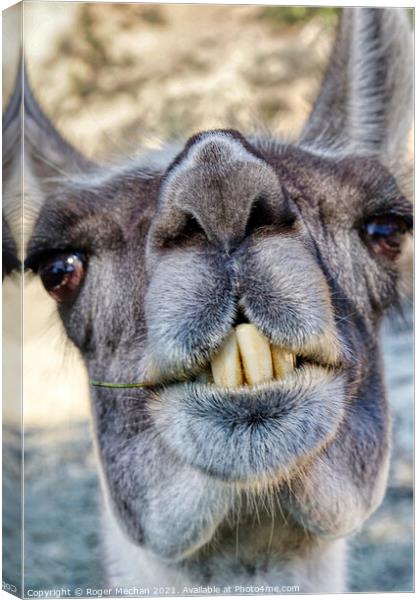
(206, 486)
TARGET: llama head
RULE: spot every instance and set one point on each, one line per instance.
(243, 280)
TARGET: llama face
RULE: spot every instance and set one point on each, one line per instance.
(243, 282)
(166, 266)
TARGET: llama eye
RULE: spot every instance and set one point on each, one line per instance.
(384, 235)
(62, 275)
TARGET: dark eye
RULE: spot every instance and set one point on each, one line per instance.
(62, 274)
(385, 234)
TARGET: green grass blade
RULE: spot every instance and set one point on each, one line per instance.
(119, 385)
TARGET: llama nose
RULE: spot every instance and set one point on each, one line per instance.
(229, 222)
(226, 189)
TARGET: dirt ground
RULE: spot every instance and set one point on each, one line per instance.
(115, 79)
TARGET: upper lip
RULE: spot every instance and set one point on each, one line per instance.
(323, 350)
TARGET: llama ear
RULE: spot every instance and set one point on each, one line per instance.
(12, 128)
(12, 180)
(49, 155)
(365, 102)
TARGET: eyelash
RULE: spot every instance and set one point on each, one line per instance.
(384, 233)
(62, 273)
(36, 257)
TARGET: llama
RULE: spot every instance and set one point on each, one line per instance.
(241, 282)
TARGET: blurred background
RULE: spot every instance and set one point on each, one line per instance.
(114, 78)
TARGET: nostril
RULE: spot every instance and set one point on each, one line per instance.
(192, 226)
(264, 214)
(259, 216)
(189, 232)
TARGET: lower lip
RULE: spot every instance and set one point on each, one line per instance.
(242, 433)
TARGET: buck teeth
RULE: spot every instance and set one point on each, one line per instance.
(226, 366)
(283, 362)
(255, 353)
(247, 357)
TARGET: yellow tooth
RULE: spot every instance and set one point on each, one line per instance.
(255, 354)
(226, 366)
(283, 362)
